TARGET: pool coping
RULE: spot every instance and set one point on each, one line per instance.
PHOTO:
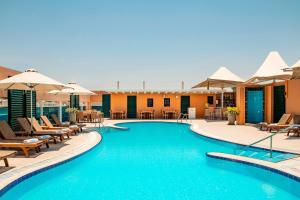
(255, 163)
(17, 175)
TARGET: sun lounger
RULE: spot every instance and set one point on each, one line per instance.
(73, 128)
(282, 123)
(295, 129)
(60, 124)
(8, 134)
(25, 147)
(38, 130)
(5, 154)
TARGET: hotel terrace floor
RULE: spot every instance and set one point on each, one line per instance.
(215, 129)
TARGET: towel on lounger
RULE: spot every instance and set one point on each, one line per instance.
(31, 140)
(44, 137)
(65, 123)
(73, 126)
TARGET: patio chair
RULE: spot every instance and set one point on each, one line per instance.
(5, 154)
(80, 117)
(60, 124)
(8, 134)
(38, 130)
(218, 113)
(50, 126)
(284, 120)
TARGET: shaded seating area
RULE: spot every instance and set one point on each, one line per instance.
(213, 113)
(89, 116)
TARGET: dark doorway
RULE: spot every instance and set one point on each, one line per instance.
(131, 106)
(185, 104)
(106, 105)
(279, 102)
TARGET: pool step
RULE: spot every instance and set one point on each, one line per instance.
(262, 154)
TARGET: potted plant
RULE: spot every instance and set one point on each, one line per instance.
(72, 114)
(232, 112)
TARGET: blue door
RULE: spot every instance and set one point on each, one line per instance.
(254, 105)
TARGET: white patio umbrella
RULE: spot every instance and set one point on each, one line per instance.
(271, 70)
(31, 80)
(73, 89)
(222, 78)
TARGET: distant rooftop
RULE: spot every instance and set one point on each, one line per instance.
(165, 91)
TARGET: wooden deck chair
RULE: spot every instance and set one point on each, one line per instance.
(8, 134)
(282, 121)
(60, 124)
(25, 124)
(50, 126)
(25, 147)
(5, 154)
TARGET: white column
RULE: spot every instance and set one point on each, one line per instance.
(60, 111)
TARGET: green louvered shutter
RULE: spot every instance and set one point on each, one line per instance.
(15, 107)
(27, 98)
(74, 101)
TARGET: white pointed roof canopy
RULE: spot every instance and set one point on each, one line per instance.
(31, 79)
(296, 65)
(271, 69)
(222, 78)
(73, 89)
(296, 70)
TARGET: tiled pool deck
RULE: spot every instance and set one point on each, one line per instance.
(214, 129)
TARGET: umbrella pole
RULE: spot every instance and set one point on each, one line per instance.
(222, 98)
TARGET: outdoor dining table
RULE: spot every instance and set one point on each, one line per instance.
(118, 115)
(147, 114)
(170, 114)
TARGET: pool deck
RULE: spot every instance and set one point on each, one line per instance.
(57, 153)
(244, 135)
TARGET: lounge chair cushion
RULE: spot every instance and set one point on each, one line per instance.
(31, 140)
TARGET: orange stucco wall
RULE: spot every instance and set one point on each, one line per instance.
(119, 102)
(293, 96)
(240, 103)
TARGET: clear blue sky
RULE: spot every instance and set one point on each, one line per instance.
(96, 43)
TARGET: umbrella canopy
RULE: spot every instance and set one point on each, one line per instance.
(222, 78)
(73, 89)
(271, 69)
(31, 79)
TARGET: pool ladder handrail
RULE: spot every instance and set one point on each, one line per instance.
(258, 141)
(182, 116)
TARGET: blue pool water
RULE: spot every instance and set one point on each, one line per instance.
(155, 161)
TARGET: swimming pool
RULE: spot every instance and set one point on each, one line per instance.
(154, 160)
